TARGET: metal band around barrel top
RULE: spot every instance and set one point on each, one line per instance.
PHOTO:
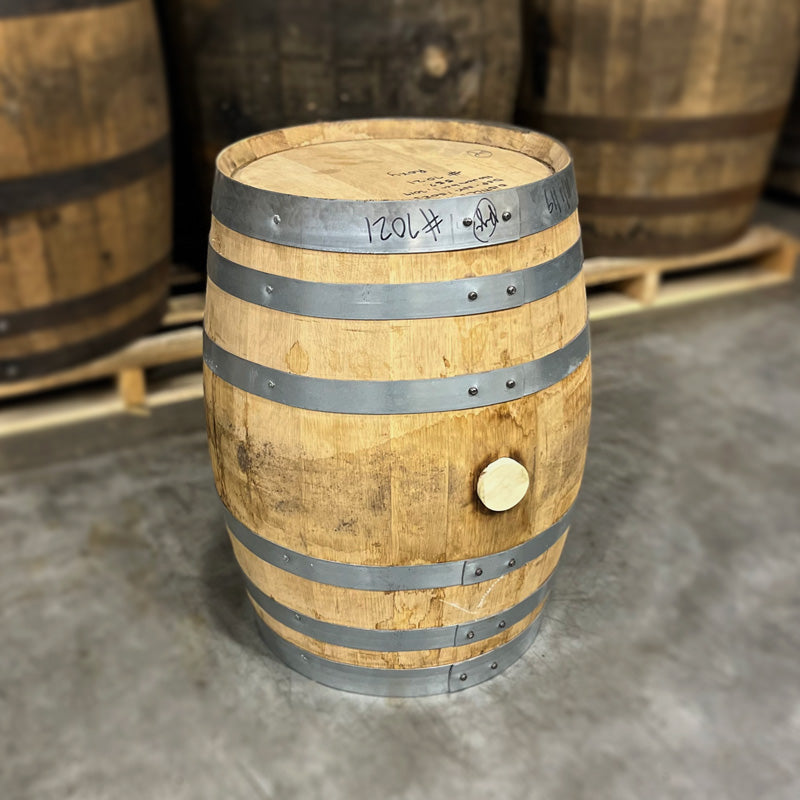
(400, 682)
(397, 397)
(27, 8)
(455, 298)
(398, 578)
(395, 226)
(398, 640)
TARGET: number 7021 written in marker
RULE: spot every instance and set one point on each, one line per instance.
(404, 227)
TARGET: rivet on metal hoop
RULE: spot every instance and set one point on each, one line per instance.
(271, 384)
(501, 624)
(494, 665)
(479, 572)
(506, 216)
(473, 390)
(462, 676)
(510, 383)
(276, 219)
(511, 290)
(512, 562)
(297, 617)
(472, 296)
(285, 557)
(3, 325)
(467, 222)
(471, 635)
(269, 290)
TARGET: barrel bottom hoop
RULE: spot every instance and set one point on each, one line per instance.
(420, 396)
(20, 195)
(15, 369)
(400, 682)
(599, 245)
(83, 306)
(437, 299)
(395, 640)
(398, 578)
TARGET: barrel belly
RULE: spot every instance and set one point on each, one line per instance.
(368, 407)
(85, 185)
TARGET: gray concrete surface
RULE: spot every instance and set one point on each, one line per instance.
(668, 665)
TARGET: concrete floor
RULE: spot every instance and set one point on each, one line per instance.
(668, 665)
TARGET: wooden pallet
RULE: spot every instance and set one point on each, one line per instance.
(763, 257)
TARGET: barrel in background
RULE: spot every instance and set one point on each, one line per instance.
(85, 185)
(238, 68)
(785, 174)
(396, 343)
(670, 109)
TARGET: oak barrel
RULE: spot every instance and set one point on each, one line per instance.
(240, 67)
(670, 109)
(397, 385)
(85, 197)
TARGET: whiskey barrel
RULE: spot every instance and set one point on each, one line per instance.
(785, 175)
(240, 67)
(397, 388)
(85, 198)
(670, 109)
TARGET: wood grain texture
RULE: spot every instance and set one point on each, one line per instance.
(401, 610)
(409, 659)
(81, 89)
(590, 64)
(241, 67)
(394, 489)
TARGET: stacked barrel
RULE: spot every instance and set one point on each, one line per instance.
(85, 183)
(671, 111)
(242, 67)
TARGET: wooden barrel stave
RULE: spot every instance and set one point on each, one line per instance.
(365, 528)
(671, 112)
(85, 200)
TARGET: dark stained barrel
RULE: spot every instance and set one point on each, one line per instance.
(240, 67)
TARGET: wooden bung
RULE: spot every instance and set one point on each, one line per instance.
(396, 343)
